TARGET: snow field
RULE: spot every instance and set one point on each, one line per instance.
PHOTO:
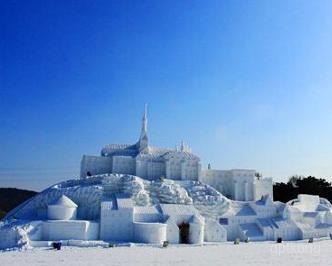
(259, 253)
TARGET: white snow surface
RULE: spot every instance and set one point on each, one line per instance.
(88, 193)
(258, 253)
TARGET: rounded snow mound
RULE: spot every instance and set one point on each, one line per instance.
(88, 194)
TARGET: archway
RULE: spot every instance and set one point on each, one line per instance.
(184, 233)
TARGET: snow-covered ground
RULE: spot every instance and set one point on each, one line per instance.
(259, 253)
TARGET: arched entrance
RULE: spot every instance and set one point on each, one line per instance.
(184, 233)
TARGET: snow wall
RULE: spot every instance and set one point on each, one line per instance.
(70, 230)
(150, 232)
(58, 212)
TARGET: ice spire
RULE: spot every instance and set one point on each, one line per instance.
(144, 130)
(182, 147)
(143, 140)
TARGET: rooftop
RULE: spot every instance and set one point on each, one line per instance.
(64, 201)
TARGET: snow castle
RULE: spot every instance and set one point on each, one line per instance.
(151, 163)
(143, 194)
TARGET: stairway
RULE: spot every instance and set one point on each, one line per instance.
(252, 232)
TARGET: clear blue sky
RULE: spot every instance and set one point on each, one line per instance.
(248, 84)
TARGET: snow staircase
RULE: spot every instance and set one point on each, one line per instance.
(251, 231)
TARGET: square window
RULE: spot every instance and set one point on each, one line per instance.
(223, 221)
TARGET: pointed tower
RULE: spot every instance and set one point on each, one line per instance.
(182, 147)
(143, 140)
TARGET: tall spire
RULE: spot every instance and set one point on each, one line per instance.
(143, 140)
(144, 130)
(182, 147)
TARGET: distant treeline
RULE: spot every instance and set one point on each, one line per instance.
(12, 197)
(302, 185)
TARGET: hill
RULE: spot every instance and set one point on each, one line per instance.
(12, 197)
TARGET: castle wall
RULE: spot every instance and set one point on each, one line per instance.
(221, 180)
(190, 170)
(154, 233)
(243, 184)
(236, 184)
(116, 225)
(141, 168)
(218, 179)
(175, 171)
(262, 187)
(95, 165)
(181, 169)
(150, 169)
(70, 230)
(155, 170)
(124, 165)
(214, 232)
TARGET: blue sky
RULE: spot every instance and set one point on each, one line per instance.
(247, 84)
